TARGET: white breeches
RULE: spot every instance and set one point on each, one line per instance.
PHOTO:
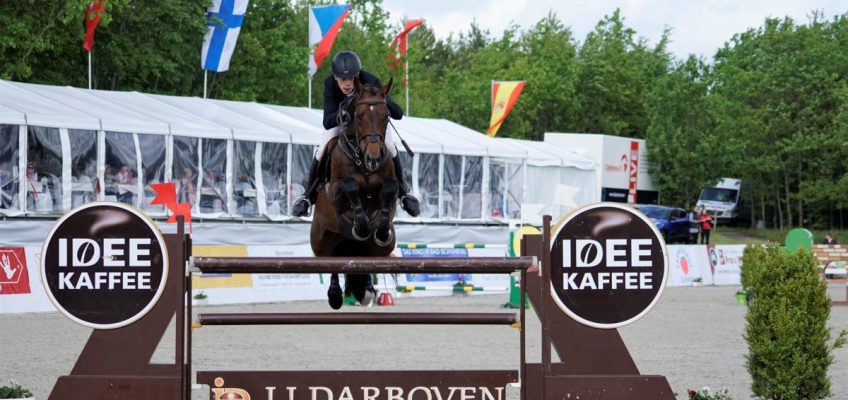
(331, 133)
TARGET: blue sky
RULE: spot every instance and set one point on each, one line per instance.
(699, 27)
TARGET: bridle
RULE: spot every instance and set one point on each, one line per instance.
(350, 147)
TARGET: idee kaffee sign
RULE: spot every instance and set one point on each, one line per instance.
(104, 265)
(609, 265)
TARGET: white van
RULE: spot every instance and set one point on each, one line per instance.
(725, 202)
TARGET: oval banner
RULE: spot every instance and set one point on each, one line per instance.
(608, 265)
(104, 265)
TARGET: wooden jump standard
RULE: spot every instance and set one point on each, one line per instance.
(595, 364)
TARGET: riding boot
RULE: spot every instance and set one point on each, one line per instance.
(304, 203)
(407, 201)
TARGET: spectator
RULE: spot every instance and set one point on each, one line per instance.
(8, 186)
(706, 226)
(31, 182)
(124, 177)
(828, 239)
(212, 193)
(186, 192)
(694, 225)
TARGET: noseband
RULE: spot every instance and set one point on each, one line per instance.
(353, 150)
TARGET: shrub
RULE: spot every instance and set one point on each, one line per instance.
(787, 334)
(14, 391)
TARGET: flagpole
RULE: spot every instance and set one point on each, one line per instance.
(309, 78)
(205, 75)
(89, 70)
(406, 79)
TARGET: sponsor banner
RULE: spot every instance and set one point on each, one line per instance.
(34, 301)
(609, 265)
(435, 252)
(104, 265)
(688, 264)
(14, 277)
(726, 261)
(208, 281)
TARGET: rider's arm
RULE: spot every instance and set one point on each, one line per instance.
(394, 110)
(331, 106)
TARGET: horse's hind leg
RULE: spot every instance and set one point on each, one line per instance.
(349, 188)
(383, 234)
(334, 294)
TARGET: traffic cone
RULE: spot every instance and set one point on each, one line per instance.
(385, 299)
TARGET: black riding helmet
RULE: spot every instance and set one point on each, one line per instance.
(346, 64)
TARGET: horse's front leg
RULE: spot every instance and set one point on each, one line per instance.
(389, 193)
(348, 189)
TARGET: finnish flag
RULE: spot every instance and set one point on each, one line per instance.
(224, 19)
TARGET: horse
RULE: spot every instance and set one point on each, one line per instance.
(355, 208)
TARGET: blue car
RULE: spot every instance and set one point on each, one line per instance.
(672, 222)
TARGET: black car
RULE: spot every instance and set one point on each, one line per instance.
(672, 222)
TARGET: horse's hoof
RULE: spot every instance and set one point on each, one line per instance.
(334, 294)
(383, 243)
(358, 237)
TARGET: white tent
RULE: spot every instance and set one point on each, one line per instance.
(243, 160)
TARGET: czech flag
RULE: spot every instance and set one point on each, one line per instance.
(504, 96)
(324, 24)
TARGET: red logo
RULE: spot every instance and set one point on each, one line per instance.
(624, 162)
(13, 271)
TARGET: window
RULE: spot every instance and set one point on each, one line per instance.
(451, 176)
(406, 166)
(472, 196)
(428, 184)
(184, 171)
(44, 170)
(9, 169)
(83, 166)
(213, 186)
(152, 149)
(274, 169)
(120, 174)
(244, 183)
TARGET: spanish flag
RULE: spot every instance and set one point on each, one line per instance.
(504, 96)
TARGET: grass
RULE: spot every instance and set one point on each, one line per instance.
(730, 235)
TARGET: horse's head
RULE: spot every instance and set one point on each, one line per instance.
(370, 118)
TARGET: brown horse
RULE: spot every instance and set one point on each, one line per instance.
(354, 211)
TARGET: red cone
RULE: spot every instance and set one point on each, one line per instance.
(385, 299)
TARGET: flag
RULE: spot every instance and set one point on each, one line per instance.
(504, 96)
(324, 25)
(224, 19)
(166, 194)
(397, 49)
(92, 18)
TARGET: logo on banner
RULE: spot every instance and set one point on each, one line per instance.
(14, 278)
(683, 261)
(609, 265)
(222, 393)
(713, 255)
(104, 265)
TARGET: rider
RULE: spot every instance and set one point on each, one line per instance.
(337, 87)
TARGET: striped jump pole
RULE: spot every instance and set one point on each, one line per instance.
(450, 246)
(454, 288)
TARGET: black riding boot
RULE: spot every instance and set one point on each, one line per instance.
(302, 205)
(407, 201)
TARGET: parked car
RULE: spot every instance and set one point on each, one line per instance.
(672, 222)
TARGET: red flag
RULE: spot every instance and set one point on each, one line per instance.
(183, 209)
(166, 193)
(397, 49)
(92, 18)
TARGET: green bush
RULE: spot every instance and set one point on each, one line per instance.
(14, 391)
(787, 334)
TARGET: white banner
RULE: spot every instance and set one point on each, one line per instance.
(726, 261)
(688, 265)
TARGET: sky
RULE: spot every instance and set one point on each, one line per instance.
(698, 26)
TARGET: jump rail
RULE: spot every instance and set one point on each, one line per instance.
(359, 318)
(424, 265)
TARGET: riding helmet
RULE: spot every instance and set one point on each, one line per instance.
(346, 64)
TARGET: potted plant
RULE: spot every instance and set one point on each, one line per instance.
(742, 298)
(706, 394)
(15, 391)
(200, 299)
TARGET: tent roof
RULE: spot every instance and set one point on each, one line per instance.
(293, 129)
(242, 126)
(41, 111)
(11, 116)
(541, 154)
(457, 131)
